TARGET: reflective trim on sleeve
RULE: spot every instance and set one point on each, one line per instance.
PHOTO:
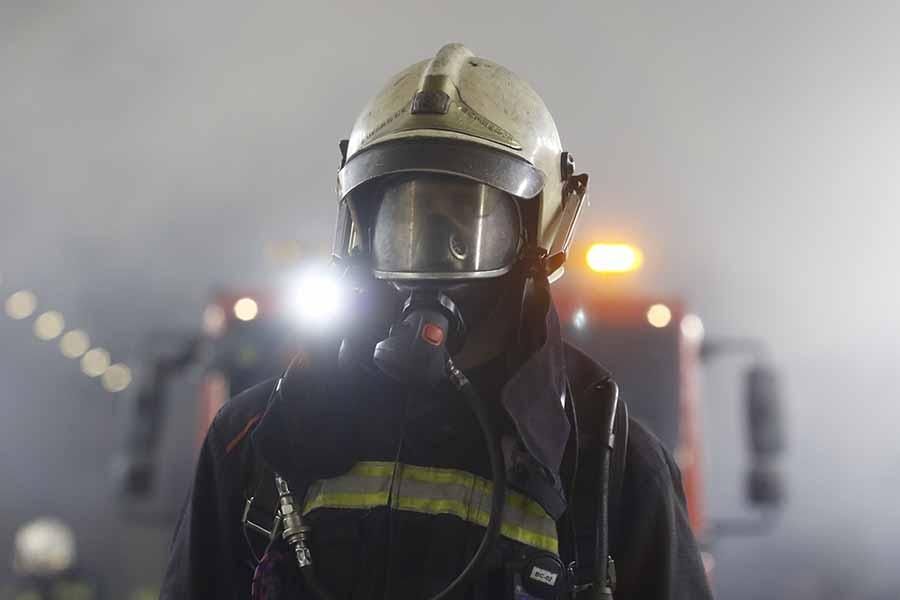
(434, 491)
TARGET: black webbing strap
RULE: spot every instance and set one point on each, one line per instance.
(258, 518)
(579, 523)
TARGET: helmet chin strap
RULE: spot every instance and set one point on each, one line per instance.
(535, 299)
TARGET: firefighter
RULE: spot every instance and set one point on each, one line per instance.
(438, 451)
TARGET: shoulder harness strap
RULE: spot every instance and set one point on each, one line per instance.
(259, 519)
(581, 464)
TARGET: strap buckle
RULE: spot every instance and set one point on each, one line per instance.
(247, 526)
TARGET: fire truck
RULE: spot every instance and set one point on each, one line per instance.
(654, 347)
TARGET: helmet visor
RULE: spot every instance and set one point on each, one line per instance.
(432, 226)
(499, 169)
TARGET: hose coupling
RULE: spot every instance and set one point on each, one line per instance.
(294, 528)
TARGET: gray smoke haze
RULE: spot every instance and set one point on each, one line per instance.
(150, 150)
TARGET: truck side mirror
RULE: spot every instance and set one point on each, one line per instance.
(764, 413)
(766, 439)
(765, 486)
(766, 436)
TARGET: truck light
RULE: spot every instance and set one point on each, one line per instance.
(246, 309)
(49, 325)
(214, 320)
(74, 344)
(116, 378)
(692, 328)
(614, 258)
(659, 315)
(579, 319)
(21, 305)
(95, 362)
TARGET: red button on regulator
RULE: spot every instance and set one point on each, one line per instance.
(433, 334)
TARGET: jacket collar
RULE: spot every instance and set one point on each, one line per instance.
(533, 398)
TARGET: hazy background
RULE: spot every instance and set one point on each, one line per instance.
(149, 150)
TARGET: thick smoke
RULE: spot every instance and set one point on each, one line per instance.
(151, 150)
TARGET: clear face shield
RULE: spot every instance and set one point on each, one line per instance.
(440, 227)
(434, 209)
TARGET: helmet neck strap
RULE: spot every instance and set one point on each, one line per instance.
(532, 278)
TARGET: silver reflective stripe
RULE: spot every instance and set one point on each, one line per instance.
(434, 491)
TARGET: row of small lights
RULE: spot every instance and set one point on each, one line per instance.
(73, 344)
(601, 258)
(659, 316)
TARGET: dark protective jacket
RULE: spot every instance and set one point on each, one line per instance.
(394, 485)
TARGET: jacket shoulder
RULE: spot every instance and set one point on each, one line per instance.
(660, 557)
(236, 419)
(648, 459)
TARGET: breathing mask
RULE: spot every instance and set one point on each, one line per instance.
(438, 239)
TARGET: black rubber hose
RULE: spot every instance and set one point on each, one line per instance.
(498, 474)
(309, 578)
(601, 589)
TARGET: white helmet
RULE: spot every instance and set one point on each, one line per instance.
(455, 170)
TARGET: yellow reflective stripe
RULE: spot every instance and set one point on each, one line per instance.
(338, 500)
(443, 476)
(373, 469)
(445, 491)
(480, 517)
(463, 478)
